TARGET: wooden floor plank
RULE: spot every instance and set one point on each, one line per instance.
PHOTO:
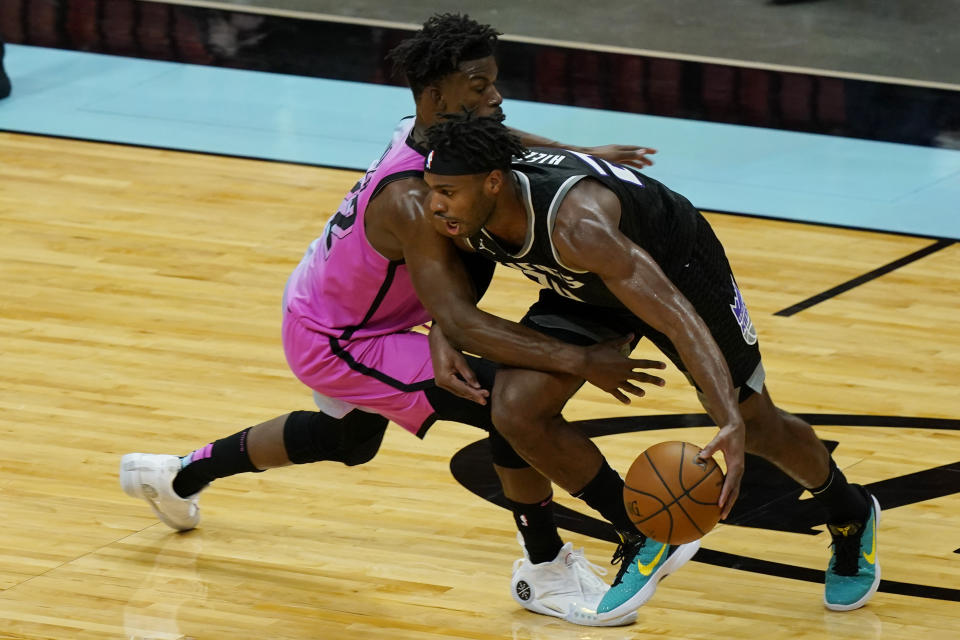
(141, 312)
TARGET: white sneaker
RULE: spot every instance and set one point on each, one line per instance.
(150, 476)
(569, 583)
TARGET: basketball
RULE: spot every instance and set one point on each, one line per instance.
(671, 495)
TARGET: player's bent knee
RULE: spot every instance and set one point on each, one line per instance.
(511, 404)
(312, 436)
(507, 419)
(364, 434)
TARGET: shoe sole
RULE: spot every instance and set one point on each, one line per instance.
(876, 578)
(589, 618)
(680, 557)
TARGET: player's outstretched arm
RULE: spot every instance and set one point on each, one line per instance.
(632, 155)
(444, 288)
(587, 236)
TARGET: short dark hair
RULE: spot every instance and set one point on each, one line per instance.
(436, 51)
(474, 144)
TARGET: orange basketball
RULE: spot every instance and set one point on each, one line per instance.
(671, 495)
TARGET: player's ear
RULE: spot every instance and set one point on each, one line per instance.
(434, 98)
(494, 182)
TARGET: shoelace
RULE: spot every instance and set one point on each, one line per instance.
(581, 559)
(846, 551)
(624, 555)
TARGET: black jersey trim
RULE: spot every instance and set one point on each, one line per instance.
(359, 367)
(867, 277)
(413, 144)
(381, 294)
(431, 419)
(393, 177)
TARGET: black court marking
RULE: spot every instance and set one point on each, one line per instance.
(867, 277)
(768, 498)
(819, 223)
(778, 569)
(157, 147)
(336, 167)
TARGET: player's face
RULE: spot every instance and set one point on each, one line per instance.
(459, 205)
(472, 88)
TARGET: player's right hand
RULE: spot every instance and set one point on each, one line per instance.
(608, 367)
(731, 441)
(451, 371)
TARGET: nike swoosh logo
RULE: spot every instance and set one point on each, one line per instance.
(647, 569)
(870, 557)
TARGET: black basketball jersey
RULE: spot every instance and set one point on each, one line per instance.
(661, 222)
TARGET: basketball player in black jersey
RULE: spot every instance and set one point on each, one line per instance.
(617, 252)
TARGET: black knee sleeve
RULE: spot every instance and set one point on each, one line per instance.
(503, 454)
(363, 435)
(312, 436)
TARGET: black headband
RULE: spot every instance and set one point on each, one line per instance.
(450, 165)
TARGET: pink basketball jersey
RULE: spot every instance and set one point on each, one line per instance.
(343, 287)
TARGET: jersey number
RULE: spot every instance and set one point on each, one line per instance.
(341, 223)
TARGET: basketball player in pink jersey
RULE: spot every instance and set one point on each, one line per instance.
(349, 308)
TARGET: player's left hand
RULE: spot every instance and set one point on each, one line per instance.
(623, 154)
(731, 442)
(451, 371)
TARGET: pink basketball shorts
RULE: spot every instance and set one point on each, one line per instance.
(383, 374)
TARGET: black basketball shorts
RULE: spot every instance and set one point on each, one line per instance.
(707, 282)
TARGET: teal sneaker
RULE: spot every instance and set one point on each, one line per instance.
(853, 574)
(644, 563)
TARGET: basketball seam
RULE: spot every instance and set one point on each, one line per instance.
(686, 492)
(665, 486)
(665, 507)
(701, 481)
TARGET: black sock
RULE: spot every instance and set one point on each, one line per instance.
(225, 457)
(843, 501)
(535, 523)
(605, 494)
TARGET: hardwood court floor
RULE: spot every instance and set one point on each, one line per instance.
(141, 313)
